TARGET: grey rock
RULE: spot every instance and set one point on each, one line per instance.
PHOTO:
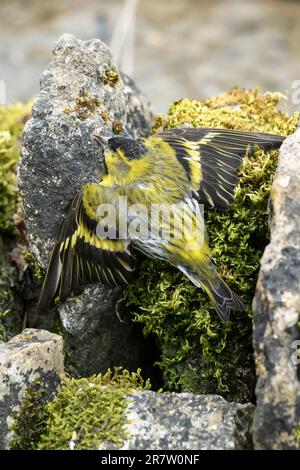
(97, 336)
(59, 155)
(33, 354)
(184, 421)
(276, 311)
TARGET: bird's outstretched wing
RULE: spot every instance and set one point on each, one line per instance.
(80, 257)
(211, 158)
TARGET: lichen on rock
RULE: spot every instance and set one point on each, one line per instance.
(276, 332)
(171, 421)
(198, 353)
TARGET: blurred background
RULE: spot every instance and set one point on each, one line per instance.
(172, 48)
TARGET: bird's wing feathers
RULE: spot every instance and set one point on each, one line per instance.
(211, 158)
(80, 257)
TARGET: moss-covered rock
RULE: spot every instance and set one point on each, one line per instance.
(29, 421)
(29, 359)
(85, 413)
(198, 353)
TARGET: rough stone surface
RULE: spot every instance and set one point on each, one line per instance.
(276, 311)
(59, 154)
(184, 421)
(81, 94)
(95, 337)
(30, 355)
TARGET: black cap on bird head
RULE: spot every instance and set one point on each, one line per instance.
(131, 148)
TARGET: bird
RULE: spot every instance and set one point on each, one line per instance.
(107, 222)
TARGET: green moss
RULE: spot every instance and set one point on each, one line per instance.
(198, 353)
(85, 413)
(12, 119)
(110, 77)
(85, 105)
(105, 116)
(10, 306)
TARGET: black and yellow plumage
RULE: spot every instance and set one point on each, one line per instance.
(189, 166)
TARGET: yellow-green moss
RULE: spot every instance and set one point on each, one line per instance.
(12, 119)
(85, 105)
(85, 413)
(36, 270)
(105, 116)
(198, 353)
(110, 77)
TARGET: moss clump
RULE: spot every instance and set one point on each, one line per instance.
(29, 421)
(110, 77)
(85, 413)
(199, 354)
(12, 119)
(117, 127)
(85, 105)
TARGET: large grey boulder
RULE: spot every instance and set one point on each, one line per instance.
(170, 421)
(32, 355)
(82, 93)
(277, 311)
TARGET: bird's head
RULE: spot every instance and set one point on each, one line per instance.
(126, 158)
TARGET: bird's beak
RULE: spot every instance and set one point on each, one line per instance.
(100, 139)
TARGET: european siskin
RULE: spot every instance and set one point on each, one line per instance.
(150, 201)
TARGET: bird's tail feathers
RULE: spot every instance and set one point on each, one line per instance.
(51, 281)
(222, 297)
